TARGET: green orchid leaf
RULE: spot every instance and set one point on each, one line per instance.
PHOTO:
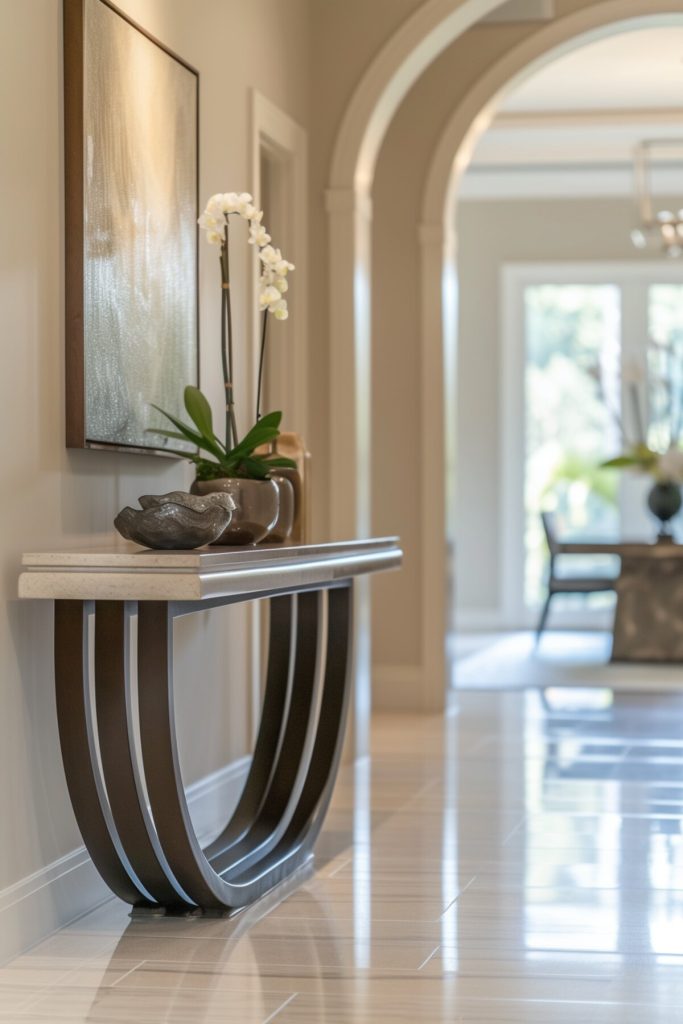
(199, 411)
(254, 439)
(254, 468)
(208, 444)
(268, 423)
(166, 433)
(260, 433)
(190, 456)
(187, 432)
(270, 419)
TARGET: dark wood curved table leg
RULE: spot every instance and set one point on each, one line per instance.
(77, 737)
(271, 729)
(160, 758)
(289, 770)
(295, 845)
(119, 761)
(324, 765)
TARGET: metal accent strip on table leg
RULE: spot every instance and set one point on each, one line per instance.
(276, 698)
(115, 728)
(289, 771)
(295, 846)
(79, 754)
(160, 758)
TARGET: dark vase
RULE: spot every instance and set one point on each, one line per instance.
(282, 529)
(256, 507)
(664, 501)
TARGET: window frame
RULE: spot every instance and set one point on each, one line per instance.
(633, 279)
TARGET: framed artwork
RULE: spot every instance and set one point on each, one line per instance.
(131, 197)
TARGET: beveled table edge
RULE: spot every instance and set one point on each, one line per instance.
(126, 555)
(196, 576)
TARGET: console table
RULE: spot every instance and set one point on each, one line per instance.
(130, 803)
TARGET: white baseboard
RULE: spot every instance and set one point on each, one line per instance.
(38, 905)
(51, 898)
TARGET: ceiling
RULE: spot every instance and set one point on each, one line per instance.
(629, 71)
(571, 128)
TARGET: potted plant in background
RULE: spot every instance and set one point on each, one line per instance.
(232, 465)
(655, 449)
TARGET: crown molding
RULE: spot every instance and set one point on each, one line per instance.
(612, 117)
(584, 181)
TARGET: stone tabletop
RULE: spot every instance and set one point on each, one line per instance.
(124, 571)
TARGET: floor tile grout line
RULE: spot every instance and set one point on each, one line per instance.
(516, 829)
(456, 898)
(340, 867)
(279, 1010)
(430, 957)
(131, 971)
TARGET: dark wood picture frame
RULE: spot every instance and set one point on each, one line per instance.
(75, 223)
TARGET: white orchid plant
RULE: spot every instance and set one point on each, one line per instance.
(661, 458)
(217, 458)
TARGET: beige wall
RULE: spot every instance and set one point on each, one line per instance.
(491, 234)
(50, 497)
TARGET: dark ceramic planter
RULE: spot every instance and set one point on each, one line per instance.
(257, 505)
(285, 517)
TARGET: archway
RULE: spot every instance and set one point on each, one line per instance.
(429, 31)
(396, 69)
(438, 246)
(424, 35)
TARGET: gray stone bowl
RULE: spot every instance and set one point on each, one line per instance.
(176, 520)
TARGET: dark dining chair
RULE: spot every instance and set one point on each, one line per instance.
(561, 584)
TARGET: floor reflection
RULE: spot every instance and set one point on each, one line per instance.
(205, 969)
(595, 864)
(520, 860)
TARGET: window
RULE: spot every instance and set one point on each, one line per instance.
(564, 326)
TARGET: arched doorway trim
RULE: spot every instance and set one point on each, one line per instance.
(395, 69)
(422, 37)
(438, 246)
(398, 65)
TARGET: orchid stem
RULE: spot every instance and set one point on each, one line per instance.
(227, 383)
(259, 385)
(230, 422)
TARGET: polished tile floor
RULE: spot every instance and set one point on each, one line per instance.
(520, 860)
